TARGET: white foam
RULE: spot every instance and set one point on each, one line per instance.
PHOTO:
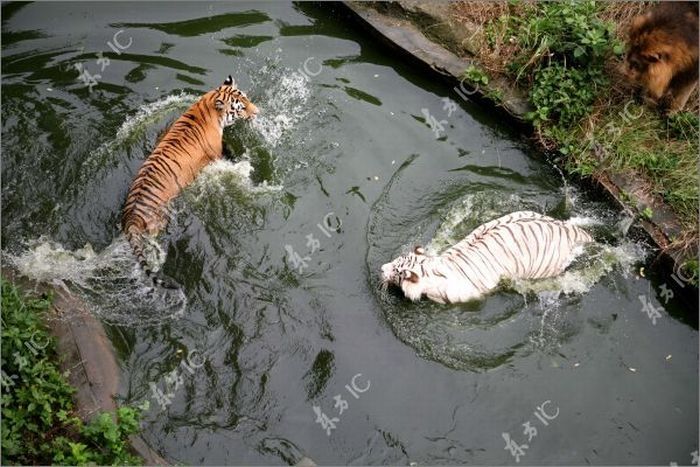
(477, 208)
(584, 221)
(595, 261)
(593, 265)
(284, 105)
(147, 111)
(111, 282)
(220, 175)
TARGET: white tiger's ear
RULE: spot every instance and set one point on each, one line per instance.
(219, 104)
(410, 276)
(229, 81)
(419, 250)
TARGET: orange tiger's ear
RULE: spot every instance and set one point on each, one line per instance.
(409, 276)
(229, 81)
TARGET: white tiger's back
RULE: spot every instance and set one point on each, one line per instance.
(523, 245)
(520, 245)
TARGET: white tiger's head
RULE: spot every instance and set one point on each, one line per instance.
(232, 103)
(405, 272)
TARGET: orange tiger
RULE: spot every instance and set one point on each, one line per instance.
(192, 141)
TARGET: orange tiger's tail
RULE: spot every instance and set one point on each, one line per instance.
(135, 237)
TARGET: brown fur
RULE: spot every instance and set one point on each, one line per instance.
(189, 144)
(662, 53)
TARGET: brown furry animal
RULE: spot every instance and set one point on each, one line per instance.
(662, 53)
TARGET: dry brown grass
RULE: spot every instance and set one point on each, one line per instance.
(621, 13)
(485, 15)
(482, 14)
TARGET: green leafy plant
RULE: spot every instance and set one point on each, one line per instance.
(565, 46)
(684, 125)
(476, 75)
(691, 269)
(567, 32)
(39, 425)
(562, 95)
(560, 53)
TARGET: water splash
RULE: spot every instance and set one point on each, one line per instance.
(284, 103)
(470, 212)
(111, 282)
(131, 129)
(594, 261)
(597, 261)
(149, 113)
(219, 177)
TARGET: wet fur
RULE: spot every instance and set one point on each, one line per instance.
(520, 245)
(662, 53)
(186, 147)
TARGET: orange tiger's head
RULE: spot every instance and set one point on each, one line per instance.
(232, 103)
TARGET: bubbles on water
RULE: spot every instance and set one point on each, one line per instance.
(111, 282)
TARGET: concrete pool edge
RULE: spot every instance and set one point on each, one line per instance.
(408, 39)
(86, 356)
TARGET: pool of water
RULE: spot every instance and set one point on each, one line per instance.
(262, 356)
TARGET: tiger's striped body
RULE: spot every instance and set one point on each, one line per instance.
(520, 245)
(193, 141)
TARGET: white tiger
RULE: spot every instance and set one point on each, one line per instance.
(520, 245)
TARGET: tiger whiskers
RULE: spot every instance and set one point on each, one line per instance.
(384, 285)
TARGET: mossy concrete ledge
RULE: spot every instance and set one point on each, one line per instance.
(405, 26)
(387, 22)
(86, 356)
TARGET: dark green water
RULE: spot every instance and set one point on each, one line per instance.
(350, 138)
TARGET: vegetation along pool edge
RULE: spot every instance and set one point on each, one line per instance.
(402, 35)
(86, 356)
